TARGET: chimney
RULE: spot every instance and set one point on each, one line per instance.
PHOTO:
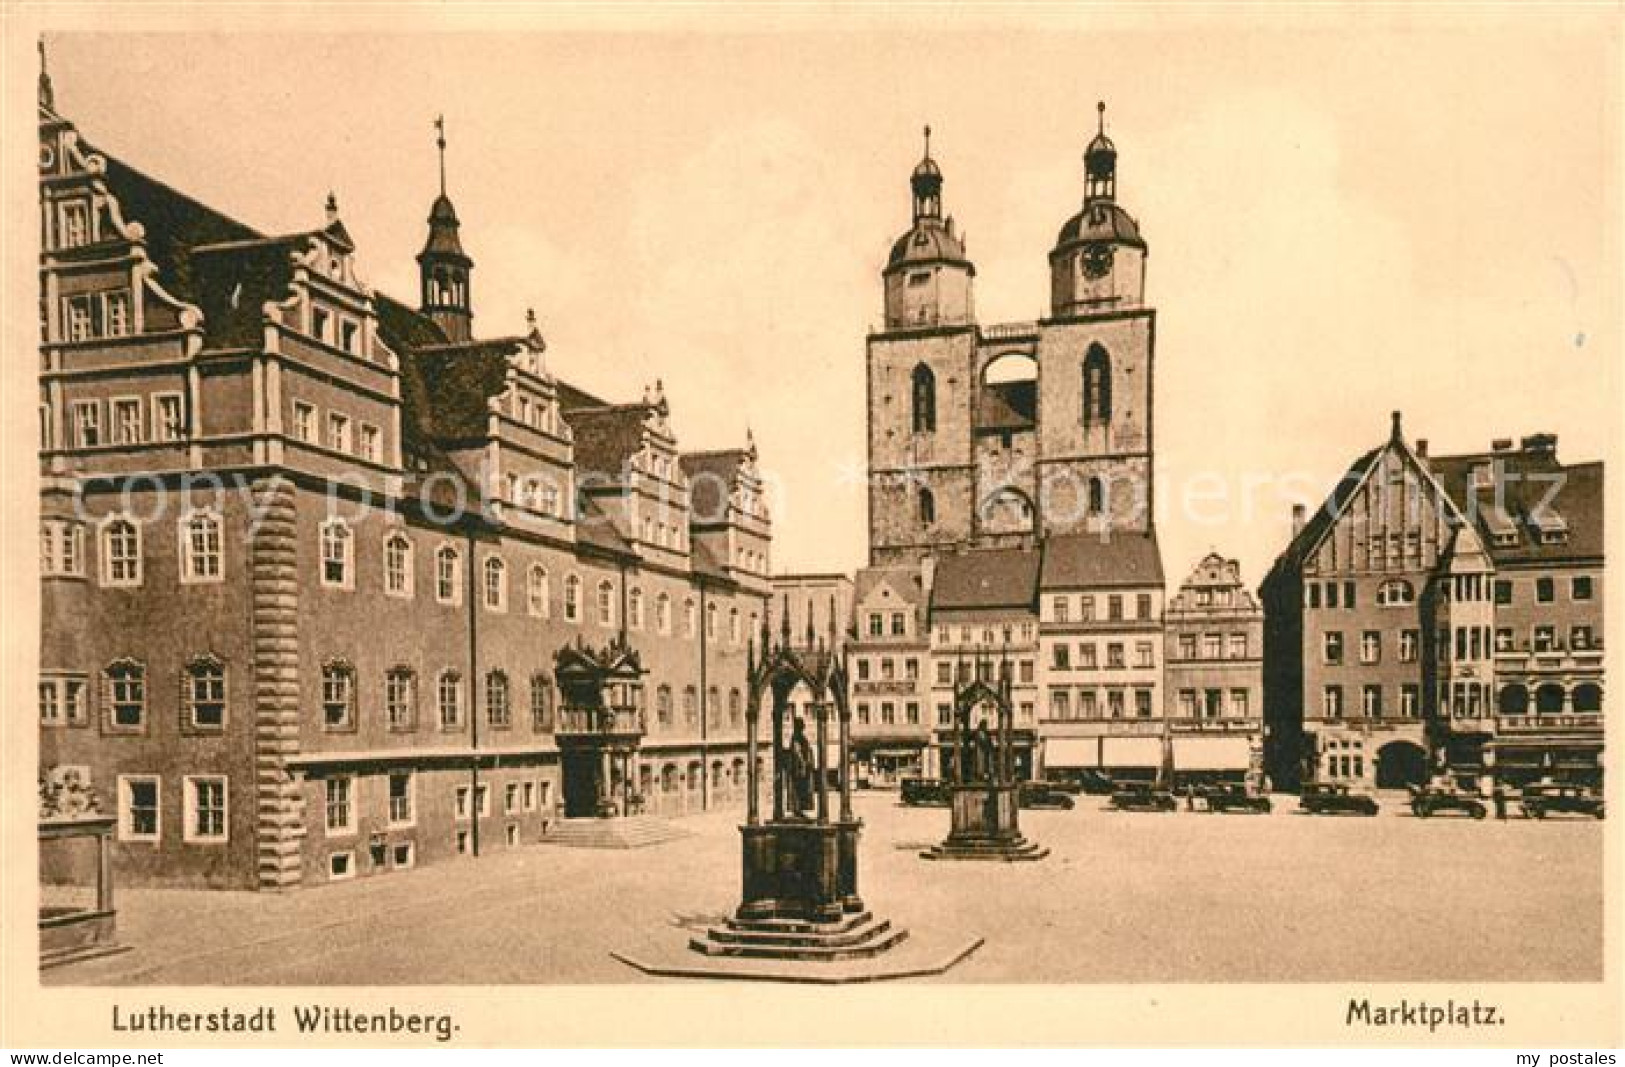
(1299, 515)
(1396, 433)
(1501, 444)
(1422, 447)
(1540, 442)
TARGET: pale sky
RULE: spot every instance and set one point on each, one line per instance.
(1340, 223)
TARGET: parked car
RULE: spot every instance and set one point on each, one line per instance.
(1043, 795)
(1428, 801)
(1084, 780)
(1142, 796)
(1324, 798)
(1540, 801)
(1234, 798)
(925, 792)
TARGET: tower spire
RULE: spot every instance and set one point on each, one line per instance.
(926, 182)
(440, 143)
(47, 95)
(1100, 106)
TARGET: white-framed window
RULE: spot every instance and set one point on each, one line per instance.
(537, 601)
(541, 702)
(350, 336)
(510, 799)
(512, 834)
(398, 565)
(528, 796)
(372, 448)
(496, 584)
(400, 698)
(73, 224)
(140, 807)
(710, 622)
(321, 324)
(338, 554)
(606, 603)
(1370, 646)
(634, 609)
(62, 548)
(62, 700)
(168, 417)
(205, 694)
(663, 614)
(79, 315)
(126, 694)
(690, 618)
(340, 866)
(340, 808)
(498, 707)
(448, 575)
(128, 427)
(202, 548)
(402, 788)
(338, 431)
(87, 423)
(402, 855)
(449, 699)
(482, 800)
(206, 808)
(338, 695)
(304, 422)
(121, 552)
(461, 806)
(572, 598)
(733, 626)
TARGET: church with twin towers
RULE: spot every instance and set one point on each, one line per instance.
(1002, 435)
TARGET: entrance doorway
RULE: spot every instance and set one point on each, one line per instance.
(581, 771)
(1401, 764)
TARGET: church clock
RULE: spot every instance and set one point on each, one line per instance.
(1096, 259)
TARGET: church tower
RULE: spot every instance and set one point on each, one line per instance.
(443, 266)
(1095, 364)
(920, 371)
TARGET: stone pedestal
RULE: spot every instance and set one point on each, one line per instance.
(800, 899)
(984, 826)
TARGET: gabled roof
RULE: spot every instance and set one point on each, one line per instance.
(1093, 560)
(904, 583)
(985, 578)
(607, 437)
(1536, 491)
(711, 477)
(597, 529)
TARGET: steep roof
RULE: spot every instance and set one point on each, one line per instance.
(1534, 488)
(596, 529)
(904, 582)
(606, 437)
(711, 478)
(1093, 560)
(986, 578)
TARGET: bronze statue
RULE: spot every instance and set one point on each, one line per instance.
(800, 770)
(981, 754)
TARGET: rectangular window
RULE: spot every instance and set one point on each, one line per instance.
(338, 432)
(400, 798)
(201, 553)
(75, 224)
(1580, 587)
(460, 802)
(945, 672)
(139, 815)
(304, 422)
(206, 695)
(1238, 646)
(1332, 647)
(371, 443)
(400, 699)
(1239, 705)
(450, 699)
(1187, 703)
(1371, 701)
(1348, 593)
(1314, 595)
(1332, 702)
(116, 313)
(127, 695)
(1114, 656)
(528, 801)
(1086, 609)
(350, 336)
(1144, 656)
(1410, 701)
(1212, 646)
(1114, 703)
(1062, 661)
(1114, 608)
(403, 855)
(79, 313)
(1580, 638)
(1545, 637)
(126, 418)
(1503, 591)
(899, 627)
(510, 798)
(1060, 704)
(1370, 646)
(877, 625)
(1062, 608)
(87, 423)
(1088, 706)
(321, 324)
(1086, 657)
(336, 544)
(1142, 606)
(338, 698)
(1331, 594)
(340, 805)
(1545, 590)
(887, 671)
(340, 866)
(206, 808)
(1187, 646)
(1142, 703)
(50, 704)
(1408, 642)
(168, 422)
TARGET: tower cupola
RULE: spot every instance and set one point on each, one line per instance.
(1098, 262)
(927, 276)
(443, 266)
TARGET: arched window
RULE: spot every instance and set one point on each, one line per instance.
(497, 707)
(448, 575)
(1097, 497)
(537, 598)
(1396, 592)
(1097, 386)
(205, 693)
(606, 603)
(663, 613)
(121, 553)
(1549, 699)
(713, 707)
(690, 617)
(338, 568)
(541, 702)
(634, 609)
(1513, 699)
(691, 706)
(1587, 697)
(400, 698)
(925, 399)
(496, 584)
(663, 705)
(449, 696)
(928, 506)
(736, 707)
(126, 694)
(734, 633)
(397, 565)
(1007, 511)
(202, 554)
(711, 622)
(338, 695)
(572, 598)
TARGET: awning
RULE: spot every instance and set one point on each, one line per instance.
(1132, 752)
(1211, 753)
(1072, 752)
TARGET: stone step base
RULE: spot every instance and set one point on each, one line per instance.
(636, 831)
(841, 941)
(1006, 850)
